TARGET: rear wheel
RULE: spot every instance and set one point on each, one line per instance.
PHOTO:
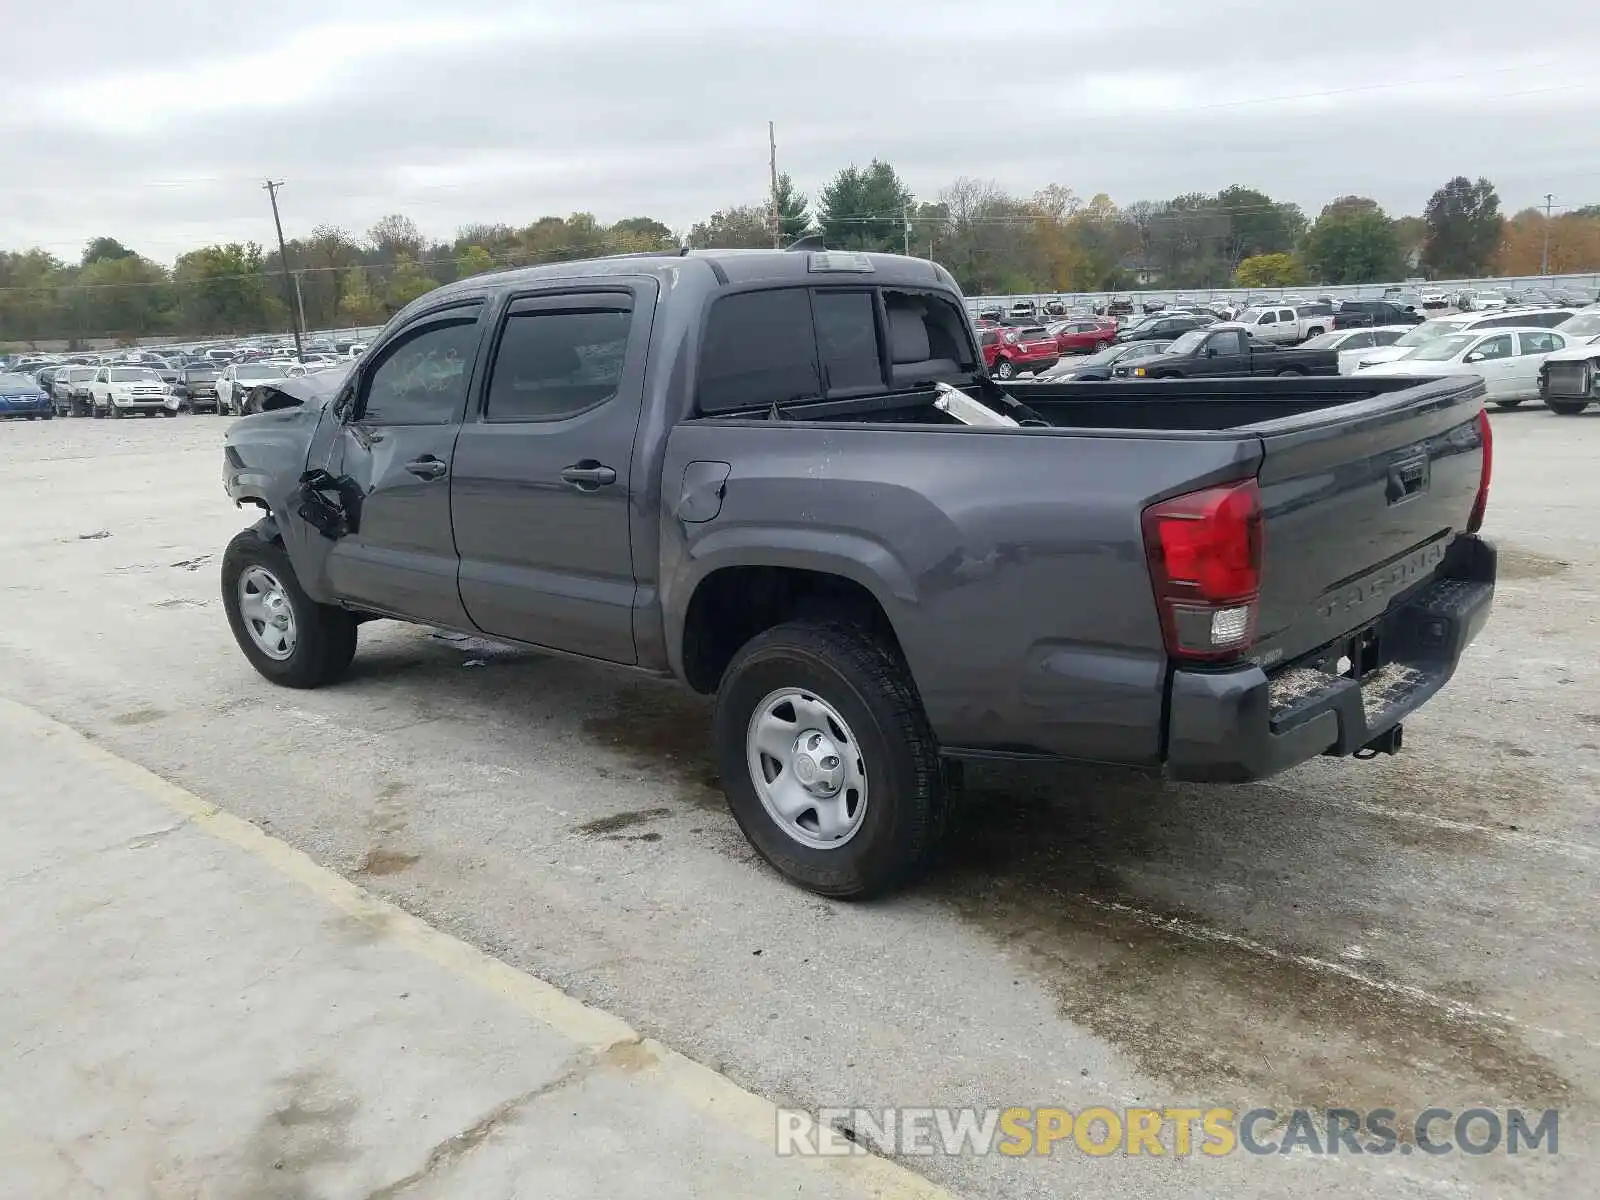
(1566, 408)
(1102, 344)
(287, 636)
(827, 758)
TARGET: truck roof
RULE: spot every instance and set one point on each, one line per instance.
(725, 267)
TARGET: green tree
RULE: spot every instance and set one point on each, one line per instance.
(104, 249)
(357, 303)
(1353, 242)
(1464, 228)
(1257, 224)
(128, 297)
(33, 304)
(646, 233)
(864, 209)
(223, 288)
(743, 227)
(794, 214)
(1270, 270)
(474, 260)
(407, 283)
(394, 237)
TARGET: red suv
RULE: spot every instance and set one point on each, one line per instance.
(1008, 352)
(1084, 335)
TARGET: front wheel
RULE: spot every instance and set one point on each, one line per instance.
(287, 636)
(1566, 408)
(1506, 403)
(1101, 345)
(830, 767)
(1006, 370)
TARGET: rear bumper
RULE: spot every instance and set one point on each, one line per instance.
(1233, 726)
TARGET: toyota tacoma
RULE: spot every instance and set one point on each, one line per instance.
(787, 479)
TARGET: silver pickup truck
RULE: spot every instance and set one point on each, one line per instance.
(785, 478)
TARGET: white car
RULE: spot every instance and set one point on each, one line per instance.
(1428, 331)
(1351, 344)
(1569, 381)
(123, 391)
(1284, 324)
(236, 381)
(1508, 360)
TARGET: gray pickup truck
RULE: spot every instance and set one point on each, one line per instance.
(786, 479)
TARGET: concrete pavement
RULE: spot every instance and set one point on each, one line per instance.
(195, 1009)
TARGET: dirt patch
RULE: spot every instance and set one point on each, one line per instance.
(1590, 719)
(664, 731)
(1049, 877)
(386, 862)
(179, 602)
(1518, 563)
(629, 1057)
(620, 821)
(138, 716)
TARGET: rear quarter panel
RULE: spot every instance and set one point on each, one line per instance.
(1010, 563)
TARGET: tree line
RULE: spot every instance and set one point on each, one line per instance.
(993, 242)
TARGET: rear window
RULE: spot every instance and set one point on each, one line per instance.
(847, 339)
(759, 351)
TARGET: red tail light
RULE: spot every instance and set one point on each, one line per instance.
(1481, 503)
(1204, 550)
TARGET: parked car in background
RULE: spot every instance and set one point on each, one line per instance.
(1083, 335)
(1227, 350)
(1569, 379)
(1162, 327)
(1435, 301)
(1508, 360)
(1285, 325)
(1099, 365)
(1008, 352)
(123, 391)
(1350, 344)
(70, 392)
(1428, 331)
(21, 396)
(197, 388)
(238, 378)
(1355, 314)
(1580, 326)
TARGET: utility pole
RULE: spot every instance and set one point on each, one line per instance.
(772, 161)
(1549, 203)
(299, 298)
(271, 186)
(905, 224)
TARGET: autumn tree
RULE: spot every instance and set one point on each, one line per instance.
(1463, 228)
(1270, 271)
(742, 227)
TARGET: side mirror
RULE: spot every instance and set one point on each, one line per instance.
(1475, 356)
(1212, 352)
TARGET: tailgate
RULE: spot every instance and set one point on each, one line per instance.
(1359, 504)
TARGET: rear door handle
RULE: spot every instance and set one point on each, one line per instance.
(588, 475)
(427, 467)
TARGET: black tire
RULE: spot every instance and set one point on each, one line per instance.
(326, 635)
(113, 413)
(1566, 408)
(1005, 369)
(1506, 403)
(1102, 344)
(167, 412)
(866, 681)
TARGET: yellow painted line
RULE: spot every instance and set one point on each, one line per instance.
(691, 1082)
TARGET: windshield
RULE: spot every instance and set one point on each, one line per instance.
(200, 374)
(1187, 343)
(1443, 348)
(1427, 332)
(13, 380)
(1323, 341)
(257, 373)
(134, 375)
(1582, 325)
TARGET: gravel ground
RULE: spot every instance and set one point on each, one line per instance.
(1410, 932)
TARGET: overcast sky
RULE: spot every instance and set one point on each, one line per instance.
(155, 122)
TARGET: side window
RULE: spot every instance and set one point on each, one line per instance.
(422, 378)
(847, 339)
(1286, 315)
(1548, 320)
(1359, 341)
(1495, 347)
(555, 364)
(1539, 343)
(759, 350)
(1267, 318)
(1499, 322)
(1229, 341)
(1385, 337)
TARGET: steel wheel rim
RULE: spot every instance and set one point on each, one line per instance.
(267, 613)
(807, 768)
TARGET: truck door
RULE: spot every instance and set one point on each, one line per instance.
(1225, 353)
(544, 471)
(396, 444)
(1495, 359)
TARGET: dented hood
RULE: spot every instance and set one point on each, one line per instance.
(313, 390)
